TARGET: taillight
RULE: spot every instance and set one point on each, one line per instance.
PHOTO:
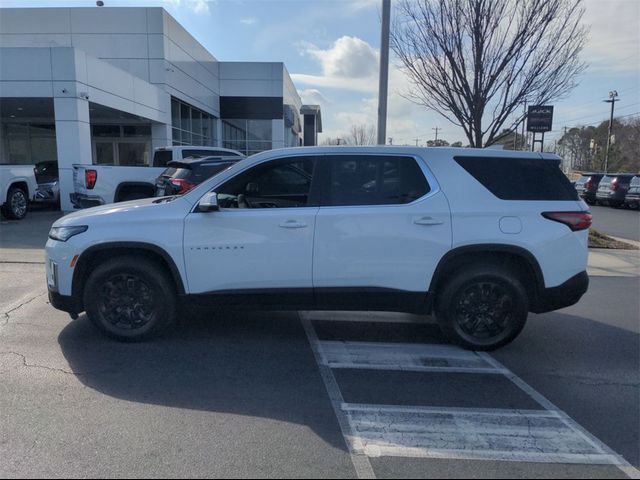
(614, 185)
(576, 221)
(588, 185)
(90, 178)
(183, 185)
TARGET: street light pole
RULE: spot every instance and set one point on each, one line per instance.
(383, 84)
(613, 98)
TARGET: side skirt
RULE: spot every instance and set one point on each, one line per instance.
(352, 298)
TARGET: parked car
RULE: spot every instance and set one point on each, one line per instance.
(48, 191)
(613, 189)
(587, 186)
(102, 184)
(353, 228)
(17, 188)
(632, 199)
(181, 176)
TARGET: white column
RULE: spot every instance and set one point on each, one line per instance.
(277, 133)
(73, 139)
(161, 136)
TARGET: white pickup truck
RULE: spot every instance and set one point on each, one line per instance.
(101, 184)
(17, 188)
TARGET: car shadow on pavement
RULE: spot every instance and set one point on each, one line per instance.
(254, 364)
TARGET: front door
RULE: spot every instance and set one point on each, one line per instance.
(261, 240)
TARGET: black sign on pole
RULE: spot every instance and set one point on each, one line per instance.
(540, 118)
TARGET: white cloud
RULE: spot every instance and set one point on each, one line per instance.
(351, 65)
(355, 84)
(313, 96)
(348, 57)
(249, 21)
(196, 6)
(614, 38)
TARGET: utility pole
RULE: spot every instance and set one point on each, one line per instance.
(383, 84)
(417, 140)
(524, 121)
(613, 98)
(390, 140)
(437, 129)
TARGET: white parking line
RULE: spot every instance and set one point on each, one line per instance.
(360, 461)
(372, 430)
(404, 357)
(622, 464)
(507, 435)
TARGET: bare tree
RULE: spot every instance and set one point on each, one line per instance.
(364, 134)
(476, 62)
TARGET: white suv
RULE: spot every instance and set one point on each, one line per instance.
(477, 237)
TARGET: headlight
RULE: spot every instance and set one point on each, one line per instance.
(63, 234)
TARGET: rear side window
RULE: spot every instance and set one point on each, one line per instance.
(203, 172)
(372, 180)
(161, 158)
(520, 178)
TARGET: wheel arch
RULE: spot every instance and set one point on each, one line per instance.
(514, 257)
(126, 187)
(92, 256)
(22, 184)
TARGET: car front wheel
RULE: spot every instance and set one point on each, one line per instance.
(482, 308)
(130, 299)
(16, 206)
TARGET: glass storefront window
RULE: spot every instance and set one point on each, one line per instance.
(26, 143)
(136, 130)
(247, 136)
(104, 153)
(133, 154)
(190, 126)
(121, 144)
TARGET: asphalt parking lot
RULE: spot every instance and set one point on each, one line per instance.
(325, 394)
(619, 222)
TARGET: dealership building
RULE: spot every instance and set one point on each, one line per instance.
(108, 85)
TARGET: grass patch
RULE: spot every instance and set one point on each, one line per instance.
(600, 240)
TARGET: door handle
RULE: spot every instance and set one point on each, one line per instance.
(428, 221)
(293, 224)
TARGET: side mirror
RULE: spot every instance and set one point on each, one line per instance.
(209, 203)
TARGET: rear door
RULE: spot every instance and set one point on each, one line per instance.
(383, 225)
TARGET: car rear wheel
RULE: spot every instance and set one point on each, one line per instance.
(130, 299)
(482, 307)
(16, 205)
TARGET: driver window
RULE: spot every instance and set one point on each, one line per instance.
(275, 184)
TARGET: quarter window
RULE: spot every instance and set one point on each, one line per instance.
(275, 184)
(373, 180)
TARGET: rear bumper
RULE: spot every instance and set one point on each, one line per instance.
(85, 201)
(632, 199)
(587, 196)
(564, 295)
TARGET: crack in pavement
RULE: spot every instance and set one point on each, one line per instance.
(7, 314)
(54, 369)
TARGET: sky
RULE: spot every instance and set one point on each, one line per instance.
(331, 50)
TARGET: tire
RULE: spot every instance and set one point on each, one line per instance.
(16, 205)
(466, 307)
(130, 299)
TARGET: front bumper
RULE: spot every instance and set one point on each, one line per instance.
(65, 303)
(564, 295)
